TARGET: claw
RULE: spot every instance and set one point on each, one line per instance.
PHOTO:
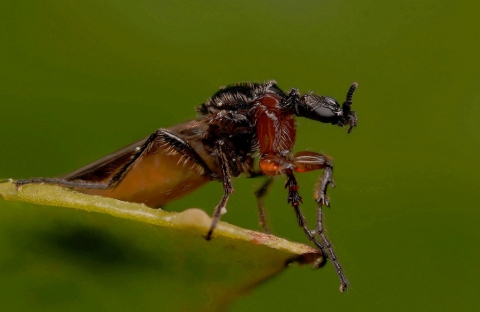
(323, 200)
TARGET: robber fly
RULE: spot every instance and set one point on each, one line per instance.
(237, 124)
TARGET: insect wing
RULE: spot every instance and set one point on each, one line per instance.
(104, 168)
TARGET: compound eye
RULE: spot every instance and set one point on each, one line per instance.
(330, 103)
(324, 112)
(328, 110)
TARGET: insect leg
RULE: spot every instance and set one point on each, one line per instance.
(222, 154)
(295, 199)
(307, 161)
(331, 253)
(260, 194)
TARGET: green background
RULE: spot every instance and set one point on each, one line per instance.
(80, 79)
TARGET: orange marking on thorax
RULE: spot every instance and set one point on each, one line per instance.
(275, 128)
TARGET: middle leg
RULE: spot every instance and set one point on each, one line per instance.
(223, 157)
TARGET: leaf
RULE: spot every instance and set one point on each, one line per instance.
(142, 258)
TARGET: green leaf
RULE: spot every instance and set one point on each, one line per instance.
(110, 254)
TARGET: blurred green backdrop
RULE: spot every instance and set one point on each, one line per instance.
(80, 79)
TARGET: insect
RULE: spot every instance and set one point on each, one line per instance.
(237, 124)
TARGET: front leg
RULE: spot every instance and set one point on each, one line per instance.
(304, 162)
(275, 164)
(294, 197)
(307, 161)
